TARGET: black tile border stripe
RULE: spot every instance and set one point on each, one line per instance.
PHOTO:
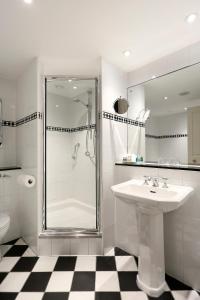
(75, 129)
(104, 114)
(113, 117)
(24, 120)
(179, 135)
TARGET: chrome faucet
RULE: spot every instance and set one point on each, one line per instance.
(147, 179)
(165, 182)
(155, 182)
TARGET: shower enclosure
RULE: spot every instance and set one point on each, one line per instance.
(71, 156)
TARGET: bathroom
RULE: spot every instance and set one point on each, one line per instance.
(87, 129)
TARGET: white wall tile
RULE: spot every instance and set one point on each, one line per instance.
(95, 246)
(61, 246)
(44, 246)
(79, 246)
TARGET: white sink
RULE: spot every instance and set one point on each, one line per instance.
(153, 198)
(150, 203)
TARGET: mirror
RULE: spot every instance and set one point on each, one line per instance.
(168, 110)
(121, 106)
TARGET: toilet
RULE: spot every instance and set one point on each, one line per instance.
(4, 225)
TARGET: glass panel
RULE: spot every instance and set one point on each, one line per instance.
(168, 109)
(71, 153)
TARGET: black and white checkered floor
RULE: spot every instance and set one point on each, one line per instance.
(24, 276)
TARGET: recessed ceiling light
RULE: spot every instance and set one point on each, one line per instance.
(153, 77)
(185, 108)
(127, 53)
(69, 80)
(165, 98)
(191, 18)
(57, 105)
(28, 1)
(75, 87)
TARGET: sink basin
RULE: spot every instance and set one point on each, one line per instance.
(150, 203)
(153, 198)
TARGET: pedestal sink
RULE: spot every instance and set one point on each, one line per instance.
(151, 203)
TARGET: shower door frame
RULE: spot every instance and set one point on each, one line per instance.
(72, 231)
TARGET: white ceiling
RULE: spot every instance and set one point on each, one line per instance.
(71, 31)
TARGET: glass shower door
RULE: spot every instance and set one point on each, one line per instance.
(71, 190)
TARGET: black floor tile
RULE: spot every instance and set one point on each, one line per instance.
(105, 263)
(56, 296)
(83, 281)
(16, 250)
(136, 259)
(37, 282)
(8, 296)
(65, 263)
(120, 252)
(127, 281)
(175, 284)
(164, 296)
(25, 264)
(107, 296)
(2, 277)
(11, 242)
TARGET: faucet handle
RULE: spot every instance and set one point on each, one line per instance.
(155, 181)
(165, 182)
(147, 179)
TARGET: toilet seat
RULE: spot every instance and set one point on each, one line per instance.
(4, 220)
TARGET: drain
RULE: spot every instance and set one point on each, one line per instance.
(153, 192)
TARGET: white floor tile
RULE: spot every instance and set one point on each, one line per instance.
(45, 264)
(133, 295)
(110, 252)
(107, 281)
(20, 242)
(29, 296)
(60, 282)
(185, 295)
(29, 252)
(7, 263)
(82, 296)
(14, 282)
(125, 263)
(4, 249)
(85, 263)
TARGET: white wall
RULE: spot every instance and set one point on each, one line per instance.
(167, 148)
(8, 149)
(27, 151)
(8, 185)
(9, 203)
(113, 143)
(182, 239)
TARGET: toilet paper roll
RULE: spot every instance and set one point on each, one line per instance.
(26, 180)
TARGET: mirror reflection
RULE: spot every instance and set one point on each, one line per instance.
(168, 113)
